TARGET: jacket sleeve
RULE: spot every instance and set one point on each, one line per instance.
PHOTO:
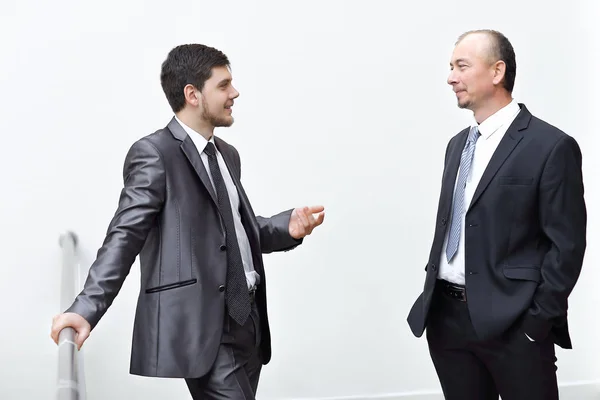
(563, 220)
(140, 201)
(275, 234)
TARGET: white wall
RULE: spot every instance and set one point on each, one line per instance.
(342, 103)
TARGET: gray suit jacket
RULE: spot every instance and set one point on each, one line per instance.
(168, 214)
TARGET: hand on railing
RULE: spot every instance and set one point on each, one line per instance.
(81, 327)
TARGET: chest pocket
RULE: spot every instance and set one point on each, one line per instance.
(515, 181)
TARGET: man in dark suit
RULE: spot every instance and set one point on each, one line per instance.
(509, 240)
(202, 307)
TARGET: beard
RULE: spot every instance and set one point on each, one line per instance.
(465, 104)
(465, 101)
(215, 120)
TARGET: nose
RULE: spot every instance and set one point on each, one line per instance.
(452, 78)
(234, 94)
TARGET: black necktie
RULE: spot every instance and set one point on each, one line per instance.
(236, 288)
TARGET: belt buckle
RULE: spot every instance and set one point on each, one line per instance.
(461, 295)
(456, 292)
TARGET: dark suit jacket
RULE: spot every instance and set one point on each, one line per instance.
(168, 214)
(525, 233)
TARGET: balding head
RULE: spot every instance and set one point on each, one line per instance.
(494, 47)
(482, 71)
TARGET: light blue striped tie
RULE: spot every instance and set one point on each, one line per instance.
(458, 205)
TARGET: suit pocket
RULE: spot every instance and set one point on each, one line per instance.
(514, 181)
(532, 273)
(170, 286)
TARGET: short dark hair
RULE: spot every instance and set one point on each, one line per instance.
(188, 64)
(501, 50)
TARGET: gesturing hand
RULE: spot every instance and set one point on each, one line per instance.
(302, 221)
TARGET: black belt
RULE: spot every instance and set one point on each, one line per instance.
(453, 290)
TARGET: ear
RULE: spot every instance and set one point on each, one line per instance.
(499, 71)
(191, 95)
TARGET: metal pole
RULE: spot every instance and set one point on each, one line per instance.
(70, 378)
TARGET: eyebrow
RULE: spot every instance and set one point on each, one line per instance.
(224, 81)
(458, 61)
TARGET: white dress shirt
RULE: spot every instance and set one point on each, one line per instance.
(492, 130)
(252, 277)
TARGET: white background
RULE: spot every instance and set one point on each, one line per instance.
(342, 103)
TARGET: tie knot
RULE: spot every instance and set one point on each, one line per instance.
(210, 149)
(474, 134)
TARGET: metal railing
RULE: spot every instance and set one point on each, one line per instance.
(71, 380)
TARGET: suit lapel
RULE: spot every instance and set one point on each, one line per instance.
(511, 139)
(193, 155)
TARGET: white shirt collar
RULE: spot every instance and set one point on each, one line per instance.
(494, 122)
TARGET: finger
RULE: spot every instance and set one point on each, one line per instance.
(310, 220)
(320, 218)
(303, 217)
(311, 224)
(82, 335)
(55, 330)
(315, 222)
(54, 337)
(58, 328)
(315, 209)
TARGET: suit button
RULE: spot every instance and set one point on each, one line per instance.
(222, 247)
(444, 221)
(433, 267)
(222, 288)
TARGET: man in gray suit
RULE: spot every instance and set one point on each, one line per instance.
(202, 308)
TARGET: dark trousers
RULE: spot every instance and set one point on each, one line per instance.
(510, 365)
(235, 373)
